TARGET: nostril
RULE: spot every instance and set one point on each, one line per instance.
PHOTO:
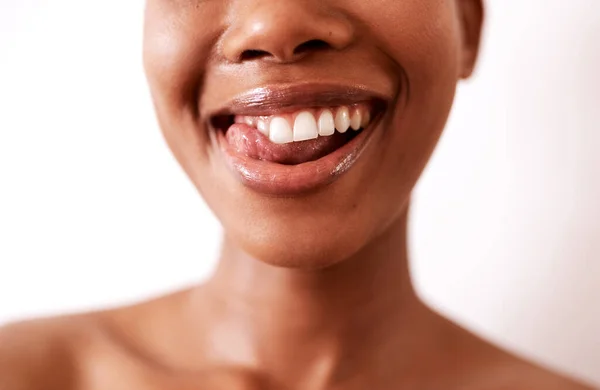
(248, 55)
(304, 48)
(312, 45)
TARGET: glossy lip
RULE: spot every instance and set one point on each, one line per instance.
(288, 180)
(284, 98)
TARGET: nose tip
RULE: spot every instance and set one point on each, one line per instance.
(284, 31)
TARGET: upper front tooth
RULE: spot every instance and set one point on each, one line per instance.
(356, 119)
(326, 123)
(305, 127)
(342, 119)
(263, 127)
(280, 131)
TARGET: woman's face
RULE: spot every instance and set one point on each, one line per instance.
(234, 80)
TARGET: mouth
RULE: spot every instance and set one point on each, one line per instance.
(291, 140)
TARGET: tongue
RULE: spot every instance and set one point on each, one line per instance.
(249, 141)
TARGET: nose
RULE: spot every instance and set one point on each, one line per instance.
(283, 31)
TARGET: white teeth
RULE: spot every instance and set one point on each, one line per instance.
(309, 123)
(342, 119)
(305, 127)
(280, 131)
(262, 126)
(355, 119)
(326, 123)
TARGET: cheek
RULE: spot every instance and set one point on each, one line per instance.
(176, 53)
(423, 39)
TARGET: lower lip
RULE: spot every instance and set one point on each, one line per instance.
(287, 180)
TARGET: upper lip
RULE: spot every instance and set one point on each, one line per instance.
(277, 99)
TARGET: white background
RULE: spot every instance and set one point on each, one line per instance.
(506, 226)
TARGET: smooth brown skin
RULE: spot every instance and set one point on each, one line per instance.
(329, 305)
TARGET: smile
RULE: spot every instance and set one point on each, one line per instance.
(309, 124)
(296, 139)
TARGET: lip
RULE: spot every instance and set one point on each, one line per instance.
(271, 100)
(289, 180)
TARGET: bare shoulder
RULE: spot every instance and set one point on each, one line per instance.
(57, 353)
(68, 352)
(39, 353)
(503, 370)
(523, 375)
(540, 378)
(477, 364)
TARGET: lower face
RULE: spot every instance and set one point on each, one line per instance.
(233, 82)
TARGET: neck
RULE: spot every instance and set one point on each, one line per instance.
(313, 325)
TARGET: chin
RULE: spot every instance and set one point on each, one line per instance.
(302, 246)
